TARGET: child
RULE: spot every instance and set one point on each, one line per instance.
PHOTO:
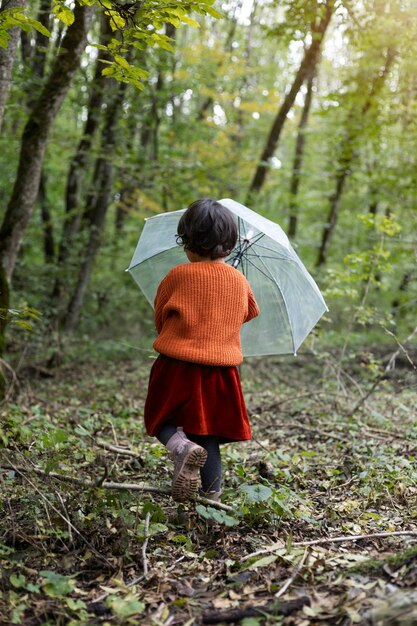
(194, 399)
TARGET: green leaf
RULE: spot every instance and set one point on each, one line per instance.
(125, 606)
(4, 39)
(221, 517)
(256, 493)
(56, 585)
(263, 562)
(190, 21)
(39, 27)
(75, 605)
(64, 14)
(121, 61)
(17, 580)
(213, 12)
(116, 21)
(109, 71)
(251, 621)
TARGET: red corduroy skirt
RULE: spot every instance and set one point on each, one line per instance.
(203, 399)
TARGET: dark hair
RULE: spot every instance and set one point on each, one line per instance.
(208, 229)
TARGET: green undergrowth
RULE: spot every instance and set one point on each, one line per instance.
(80, 553)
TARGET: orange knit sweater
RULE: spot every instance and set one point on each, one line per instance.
(199, 311)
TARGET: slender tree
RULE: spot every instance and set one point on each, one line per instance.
(7, 56)
(98, 201)
(298, 160)
(355, 126)
(307, 67)
(78, 166)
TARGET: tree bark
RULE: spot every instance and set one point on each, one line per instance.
(48, 233)
(78, 166)
(306, 68)
(7, 57)
(4, 306)
(35, 136)
(246, 78)
(298, 160)
(347, 157)
(98, 204)
(41, 42)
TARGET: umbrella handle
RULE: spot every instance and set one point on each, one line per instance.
(240, 253)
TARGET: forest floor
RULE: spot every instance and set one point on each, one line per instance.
(320, 522)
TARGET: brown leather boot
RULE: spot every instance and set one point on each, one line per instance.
(188, 457)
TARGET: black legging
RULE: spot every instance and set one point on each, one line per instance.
(211, 472)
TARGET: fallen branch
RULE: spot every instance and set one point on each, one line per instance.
(324, 540)
(236, 615)
(145, 545)
(293, 576)
(341, 539)
(91, 484)
(117, 449)
(58, 512)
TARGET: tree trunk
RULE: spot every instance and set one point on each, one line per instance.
(246, 77)
(48, 233)
(227, 48)
(306, 68)
(347, 157)
(41, 42)
(402, 289)
(98, 204)
(7, 57)
(78, 166)
(298, 160)
(35, 136)
(4, 307)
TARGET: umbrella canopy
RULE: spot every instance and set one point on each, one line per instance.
(289, 299)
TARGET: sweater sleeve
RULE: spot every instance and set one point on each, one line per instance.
(160, 301)
(253, 309)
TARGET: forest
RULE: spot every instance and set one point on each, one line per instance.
(112, 112)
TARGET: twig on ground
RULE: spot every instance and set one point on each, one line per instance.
(114, 434)
(91, 484)
(145, 545)
(60, 498)
(293, 576)
(341, 539)
(325, 540)
(117, 449)
(106, 594)
(58, 512)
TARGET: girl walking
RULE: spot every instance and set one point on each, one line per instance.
(195, 400)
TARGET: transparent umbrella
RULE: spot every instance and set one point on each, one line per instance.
(289, 300)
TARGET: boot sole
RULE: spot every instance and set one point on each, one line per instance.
(187, 481)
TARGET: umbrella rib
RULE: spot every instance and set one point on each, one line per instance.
(153, 256)
(268, 256)
(271, 277)
(260, 245)
(258, 269)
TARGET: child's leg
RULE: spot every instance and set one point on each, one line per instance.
(188, 457)
(211, 472)
(166, 432)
